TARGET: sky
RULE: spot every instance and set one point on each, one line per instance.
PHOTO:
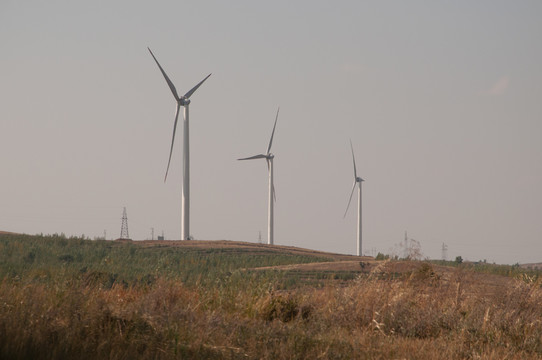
(441, 100)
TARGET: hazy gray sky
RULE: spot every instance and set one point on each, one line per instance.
(442, 101)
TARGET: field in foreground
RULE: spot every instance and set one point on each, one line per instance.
(75, 298)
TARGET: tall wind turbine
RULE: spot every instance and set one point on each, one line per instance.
(183, 101)
(268, 156)
(357, 181)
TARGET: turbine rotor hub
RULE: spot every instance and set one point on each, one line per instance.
(270, 156)
(185, 101)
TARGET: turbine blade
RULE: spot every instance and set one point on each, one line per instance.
(353, 160)
(172, 139)
(273, 133)
(188, 94)
(261, 156)
(350, 200)
(171, 86)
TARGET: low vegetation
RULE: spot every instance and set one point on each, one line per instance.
(75, 298)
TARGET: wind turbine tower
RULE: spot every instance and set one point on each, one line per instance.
(268, 156)
(357, 182)
(183, 101)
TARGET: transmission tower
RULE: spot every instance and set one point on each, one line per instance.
(444, 252)
(406, 254)
(124, 226)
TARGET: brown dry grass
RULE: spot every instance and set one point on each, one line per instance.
(390, 310)
(420, 315)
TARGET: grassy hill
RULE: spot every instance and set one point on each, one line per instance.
(74, 298)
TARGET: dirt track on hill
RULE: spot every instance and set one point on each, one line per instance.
(226, 244)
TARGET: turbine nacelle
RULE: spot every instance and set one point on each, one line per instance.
(183, 101)
(358, 179)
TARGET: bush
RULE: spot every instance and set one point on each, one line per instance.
(284, 308)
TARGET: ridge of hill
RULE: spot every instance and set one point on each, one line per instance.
(534, 266)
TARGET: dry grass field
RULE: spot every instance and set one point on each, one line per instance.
(72, 298)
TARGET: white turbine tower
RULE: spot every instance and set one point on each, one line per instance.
(357, 181)
(183, 101)
(268, 156)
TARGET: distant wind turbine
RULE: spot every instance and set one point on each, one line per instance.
(357, 181)
(268, 156)
(182, 101)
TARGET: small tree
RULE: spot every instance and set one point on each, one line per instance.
(458, 259)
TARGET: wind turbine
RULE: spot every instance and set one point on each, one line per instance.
(357, 181)
(183, 101)
(268, 156)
